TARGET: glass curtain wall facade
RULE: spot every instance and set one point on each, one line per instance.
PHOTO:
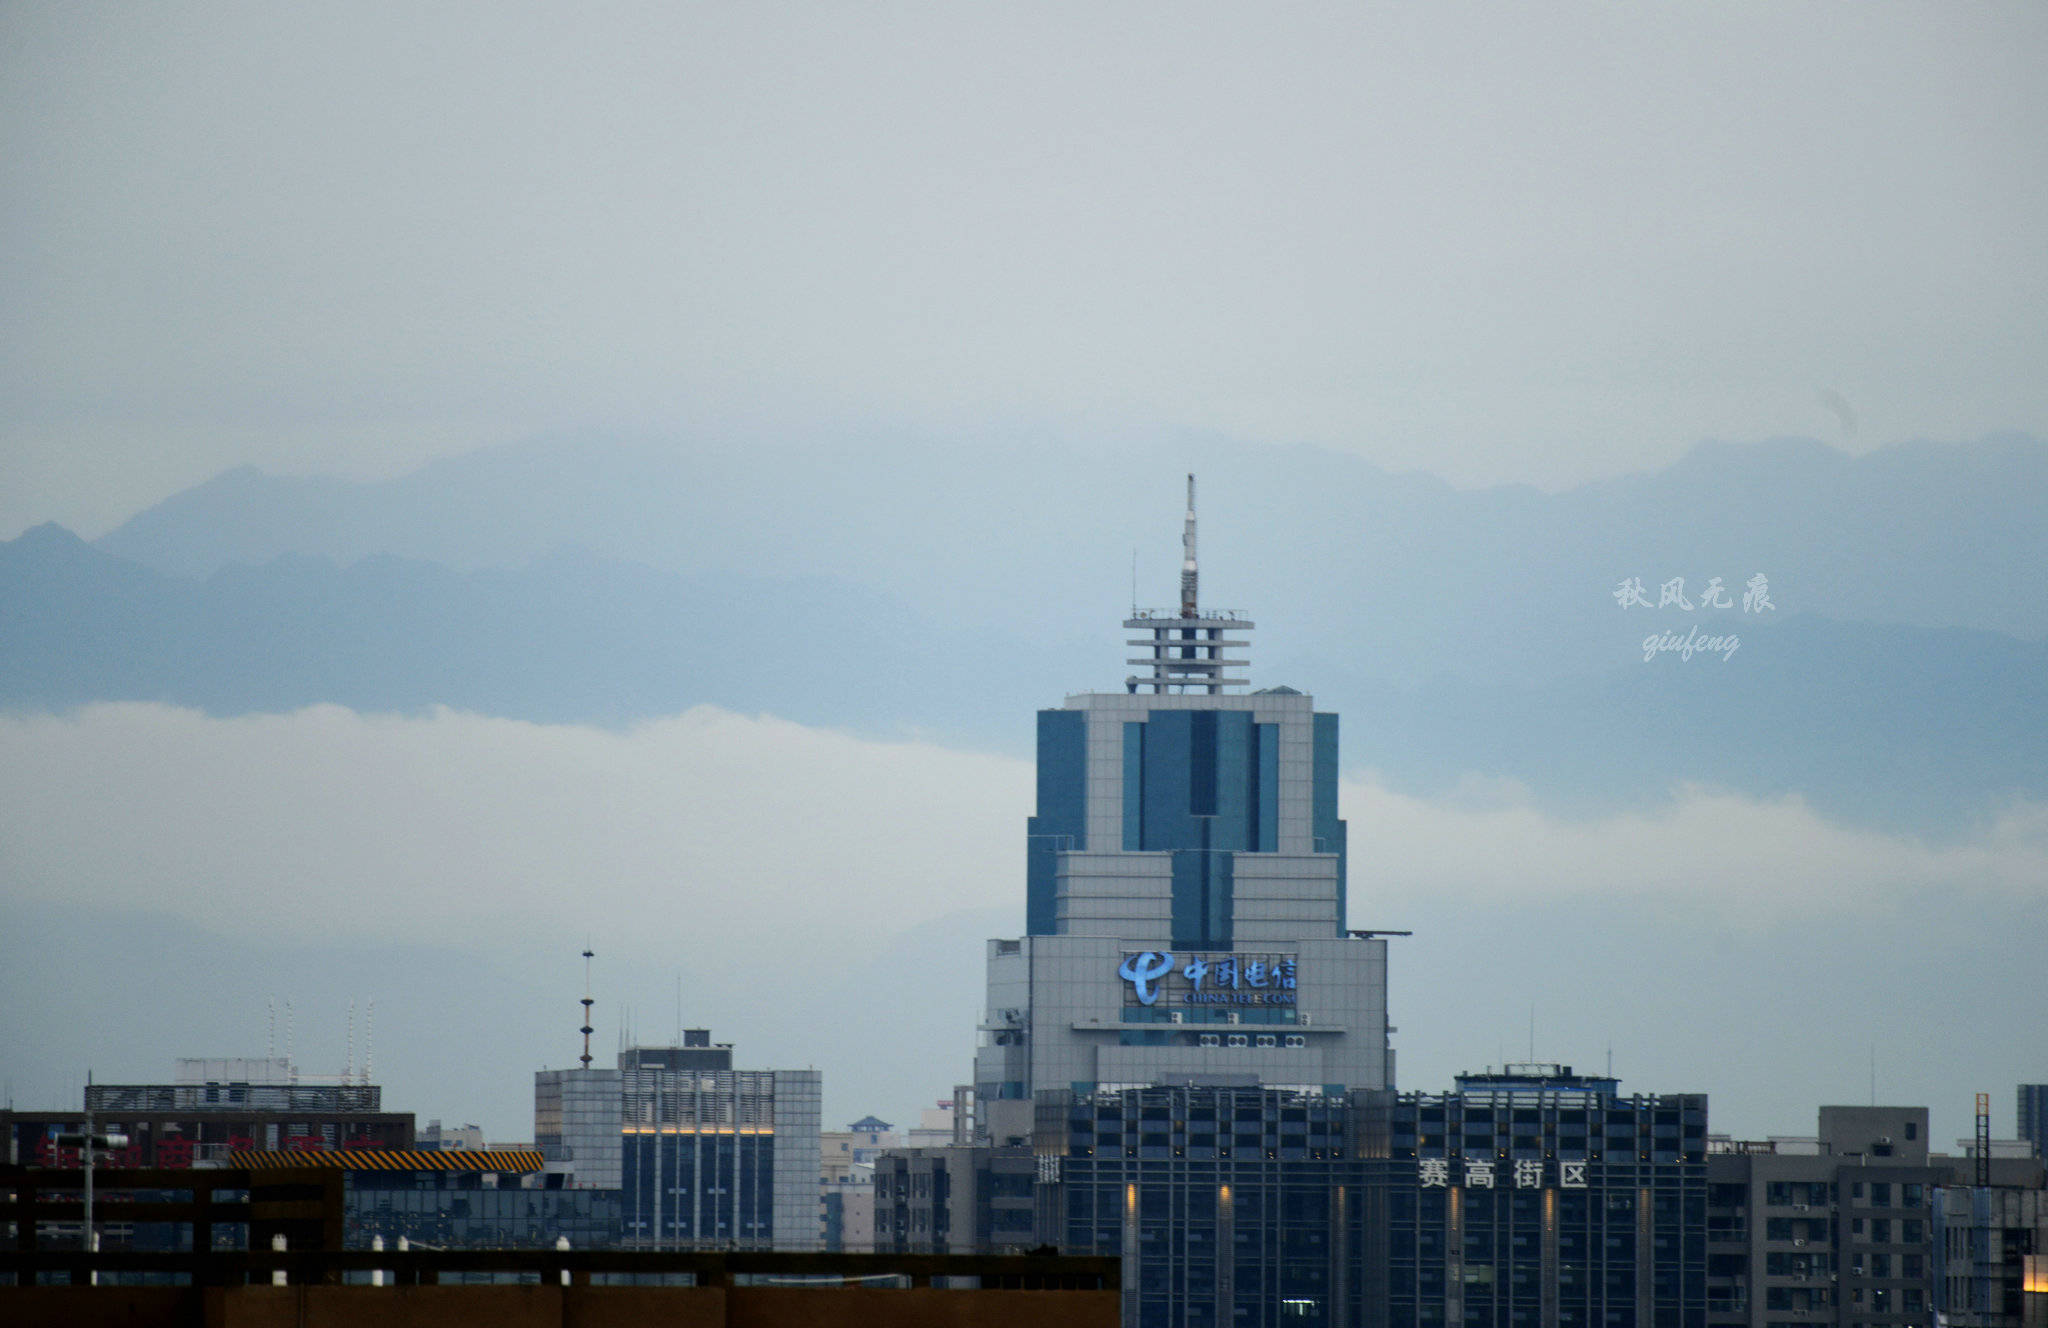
(1228, 1206)
(716, 1158)
(1534, 1208)
(1497, 1207)
(700, 1155)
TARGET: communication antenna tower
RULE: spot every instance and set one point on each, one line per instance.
(369, 1040)
(587, 956)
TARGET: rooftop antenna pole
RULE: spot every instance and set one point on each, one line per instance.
(369, 1040)
(586, 1006)
(348, 1069)
(1187, 559)
(271, 1050)
(291, 1069)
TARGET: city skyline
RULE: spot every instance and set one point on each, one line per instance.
(625, 480)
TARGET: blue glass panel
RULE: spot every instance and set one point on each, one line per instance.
(1268, 837)
(1202, 898)
(1168, 743)
(1236, 783)
(1134, 787)
(1061, 823)
(1202, 763)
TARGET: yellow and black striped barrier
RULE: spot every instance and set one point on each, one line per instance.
(393, 1159)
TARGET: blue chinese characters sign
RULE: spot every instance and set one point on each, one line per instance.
(1208, 979)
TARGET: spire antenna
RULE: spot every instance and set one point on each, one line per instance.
(1187, 651)
(586, 1008)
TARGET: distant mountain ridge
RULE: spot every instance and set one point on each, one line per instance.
(1399, 576)
(1874, 723)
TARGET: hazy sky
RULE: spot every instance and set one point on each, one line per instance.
(1496, 242)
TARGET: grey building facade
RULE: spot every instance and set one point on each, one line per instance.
(1845, 1227)
(1526, 1198)
(1186, 891)
(956, 1200)
(703, 1156)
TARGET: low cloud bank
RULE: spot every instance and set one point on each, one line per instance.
(1709, 856)
(818, 899)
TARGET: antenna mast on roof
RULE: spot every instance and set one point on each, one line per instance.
(1187, 651)
(586, 1008)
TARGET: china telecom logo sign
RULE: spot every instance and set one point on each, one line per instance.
(1212, 979)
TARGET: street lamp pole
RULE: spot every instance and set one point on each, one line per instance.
(87, 1144)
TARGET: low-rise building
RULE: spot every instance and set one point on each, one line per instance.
(704, 1156)
(210, 1109)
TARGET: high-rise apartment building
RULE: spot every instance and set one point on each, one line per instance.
(1186, 889)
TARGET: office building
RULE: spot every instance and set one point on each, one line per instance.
(1247, 1206)
(1532, 1197)
(704, 1156)
(1527, 1196)
(1186, 890)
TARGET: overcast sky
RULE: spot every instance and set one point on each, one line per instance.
(1496, 242)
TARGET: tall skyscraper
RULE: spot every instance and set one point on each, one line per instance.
(1186, 889)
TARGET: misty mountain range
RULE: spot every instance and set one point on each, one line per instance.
(894, 590)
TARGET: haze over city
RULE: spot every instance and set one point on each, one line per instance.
(482, 482)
